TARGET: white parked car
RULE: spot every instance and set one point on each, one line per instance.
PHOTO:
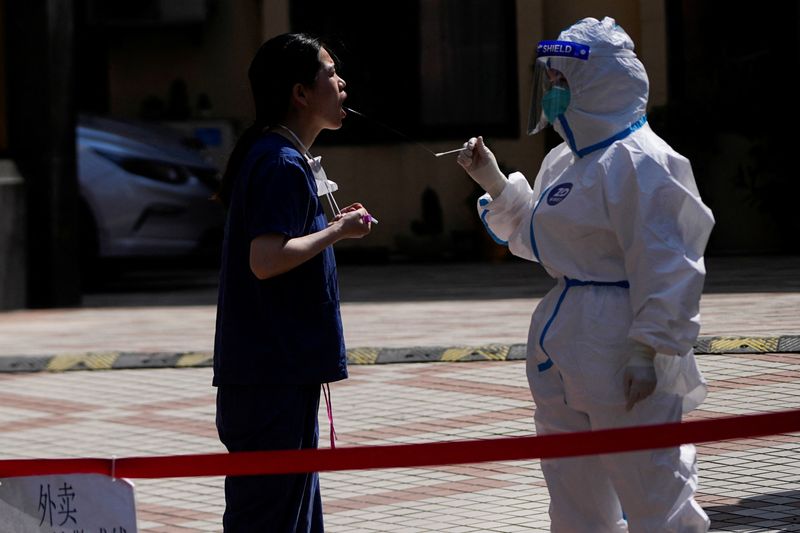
(145, 191)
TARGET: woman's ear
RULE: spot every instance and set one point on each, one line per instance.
(299, 96)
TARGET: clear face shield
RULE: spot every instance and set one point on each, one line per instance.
(550, 94)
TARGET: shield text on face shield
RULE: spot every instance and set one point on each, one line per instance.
(545, 79)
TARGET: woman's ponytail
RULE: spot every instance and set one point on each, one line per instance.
(243, 144)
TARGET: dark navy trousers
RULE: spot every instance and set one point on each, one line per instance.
(270, 417)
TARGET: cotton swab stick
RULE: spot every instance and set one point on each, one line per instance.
(440, 154)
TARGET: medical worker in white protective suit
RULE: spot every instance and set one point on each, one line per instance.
(615, 217)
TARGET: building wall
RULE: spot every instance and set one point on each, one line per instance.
(211, 58)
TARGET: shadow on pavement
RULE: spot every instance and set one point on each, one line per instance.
(153, 281)
(194, 282)
(780, 507)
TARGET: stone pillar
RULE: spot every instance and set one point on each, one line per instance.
(12, 238)
(40, 104)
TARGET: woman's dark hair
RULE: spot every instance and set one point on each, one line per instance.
(279, 64)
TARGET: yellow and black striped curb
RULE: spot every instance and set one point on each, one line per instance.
(358, 356)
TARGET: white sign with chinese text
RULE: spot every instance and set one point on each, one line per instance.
(77, 503)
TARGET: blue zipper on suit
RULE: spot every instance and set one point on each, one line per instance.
(569, 284)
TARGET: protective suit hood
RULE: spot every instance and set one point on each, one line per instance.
(608, 91)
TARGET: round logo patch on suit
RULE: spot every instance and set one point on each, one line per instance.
(558, 193)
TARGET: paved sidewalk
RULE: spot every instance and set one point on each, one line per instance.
(746, 485)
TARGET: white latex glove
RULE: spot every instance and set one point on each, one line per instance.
(481, 165)
(640, 375)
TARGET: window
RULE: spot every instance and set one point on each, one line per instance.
(433, 69)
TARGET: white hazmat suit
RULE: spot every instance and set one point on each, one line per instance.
(616, 218)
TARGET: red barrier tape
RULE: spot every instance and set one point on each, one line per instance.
(417, 455)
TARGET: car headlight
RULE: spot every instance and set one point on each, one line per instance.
(149, 168)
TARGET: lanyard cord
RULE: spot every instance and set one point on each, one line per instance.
(298, 141)
(328, 193)
(326, 388)
(326, 391)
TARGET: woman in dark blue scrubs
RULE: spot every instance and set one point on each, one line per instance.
(279, 331)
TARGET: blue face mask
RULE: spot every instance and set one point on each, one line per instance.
(555, 102)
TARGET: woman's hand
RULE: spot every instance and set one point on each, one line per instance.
(640, 375)
(274, 253)
(353, 221)
(349, 209)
